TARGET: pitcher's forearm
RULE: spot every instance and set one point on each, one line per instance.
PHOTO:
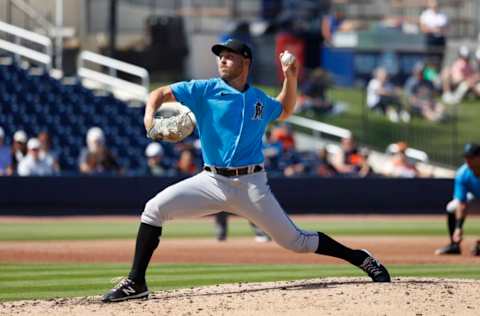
(288, 96)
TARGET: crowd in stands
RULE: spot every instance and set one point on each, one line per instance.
(34, 157)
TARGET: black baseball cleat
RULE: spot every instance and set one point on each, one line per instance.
(374, 268)
(126, 289)
(450, 249)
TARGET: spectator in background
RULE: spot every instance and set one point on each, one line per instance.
(420, 95)
(19, 148)
(434, 24)
(313, 98)
(333, 22)
(5, 156)
(186, 163)
(350, 160)
(156, 165)
(96, 158)
(33, 164)
(399, 165)
(460, 78)
(283, 134)
(383, 96)
(322, 165)
(292, 164)
(272, 150)
(46, 152)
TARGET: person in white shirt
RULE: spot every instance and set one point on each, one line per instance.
(433, 24)
(33, 164)
(382, 95)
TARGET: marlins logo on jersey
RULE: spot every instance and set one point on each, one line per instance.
(258, 111)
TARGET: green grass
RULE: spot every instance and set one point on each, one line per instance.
(437, 139)
(42, 281)
(93, 230)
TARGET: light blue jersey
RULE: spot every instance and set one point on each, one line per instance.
(466, 181)
(230, 123)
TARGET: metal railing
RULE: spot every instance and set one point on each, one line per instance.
(319, 128)
(110, 80)
(16, 35)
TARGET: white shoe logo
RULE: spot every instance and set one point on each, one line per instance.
(128, 290)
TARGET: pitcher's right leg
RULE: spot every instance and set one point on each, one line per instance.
(196, 196)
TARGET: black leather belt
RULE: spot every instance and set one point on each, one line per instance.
(233, 172)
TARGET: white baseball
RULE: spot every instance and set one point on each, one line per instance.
(287, 58)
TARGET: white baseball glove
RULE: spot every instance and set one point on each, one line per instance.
(172, 125)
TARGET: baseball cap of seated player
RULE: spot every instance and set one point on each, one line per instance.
(235, 46)
(471, 150)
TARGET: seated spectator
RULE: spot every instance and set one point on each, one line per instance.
(350, 161)
(460, 78)
(322, 165)
(382, 96)
(399, 165)
(283, 134)
(156, 162)
(96, 158)
(313, 98)
(272, 150)
(5, 156)
(420, 95)
(292, 164)
(46, 152)
(32, 164)
(186, 163)
(19, 148)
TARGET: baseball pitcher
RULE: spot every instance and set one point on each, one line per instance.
(231, 118)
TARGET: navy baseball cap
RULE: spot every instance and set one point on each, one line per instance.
(234, 46)
(471, 150)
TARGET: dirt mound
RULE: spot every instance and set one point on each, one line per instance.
(330, 296)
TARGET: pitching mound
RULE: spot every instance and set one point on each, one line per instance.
(331, 296)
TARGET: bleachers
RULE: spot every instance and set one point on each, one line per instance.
(39, 102)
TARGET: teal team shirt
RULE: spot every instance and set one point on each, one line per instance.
(466, 181)
(230, 123)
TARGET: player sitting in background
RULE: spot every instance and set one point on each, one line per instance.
(467, 181)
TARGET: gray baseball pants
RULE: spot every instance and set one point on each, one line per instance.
(248, 196)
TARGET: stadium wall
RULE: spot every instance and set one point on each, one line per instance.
(127, 195)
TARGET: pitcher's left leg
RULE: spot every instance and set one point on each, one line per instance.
(261, 207)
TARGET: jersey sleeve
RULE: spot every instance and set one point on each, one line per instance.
(460, 189)
(189, 93)
(275, 108)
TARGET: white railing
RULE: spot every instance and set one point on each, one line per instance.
(110, 80)
(16, 47)
(319, 127)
